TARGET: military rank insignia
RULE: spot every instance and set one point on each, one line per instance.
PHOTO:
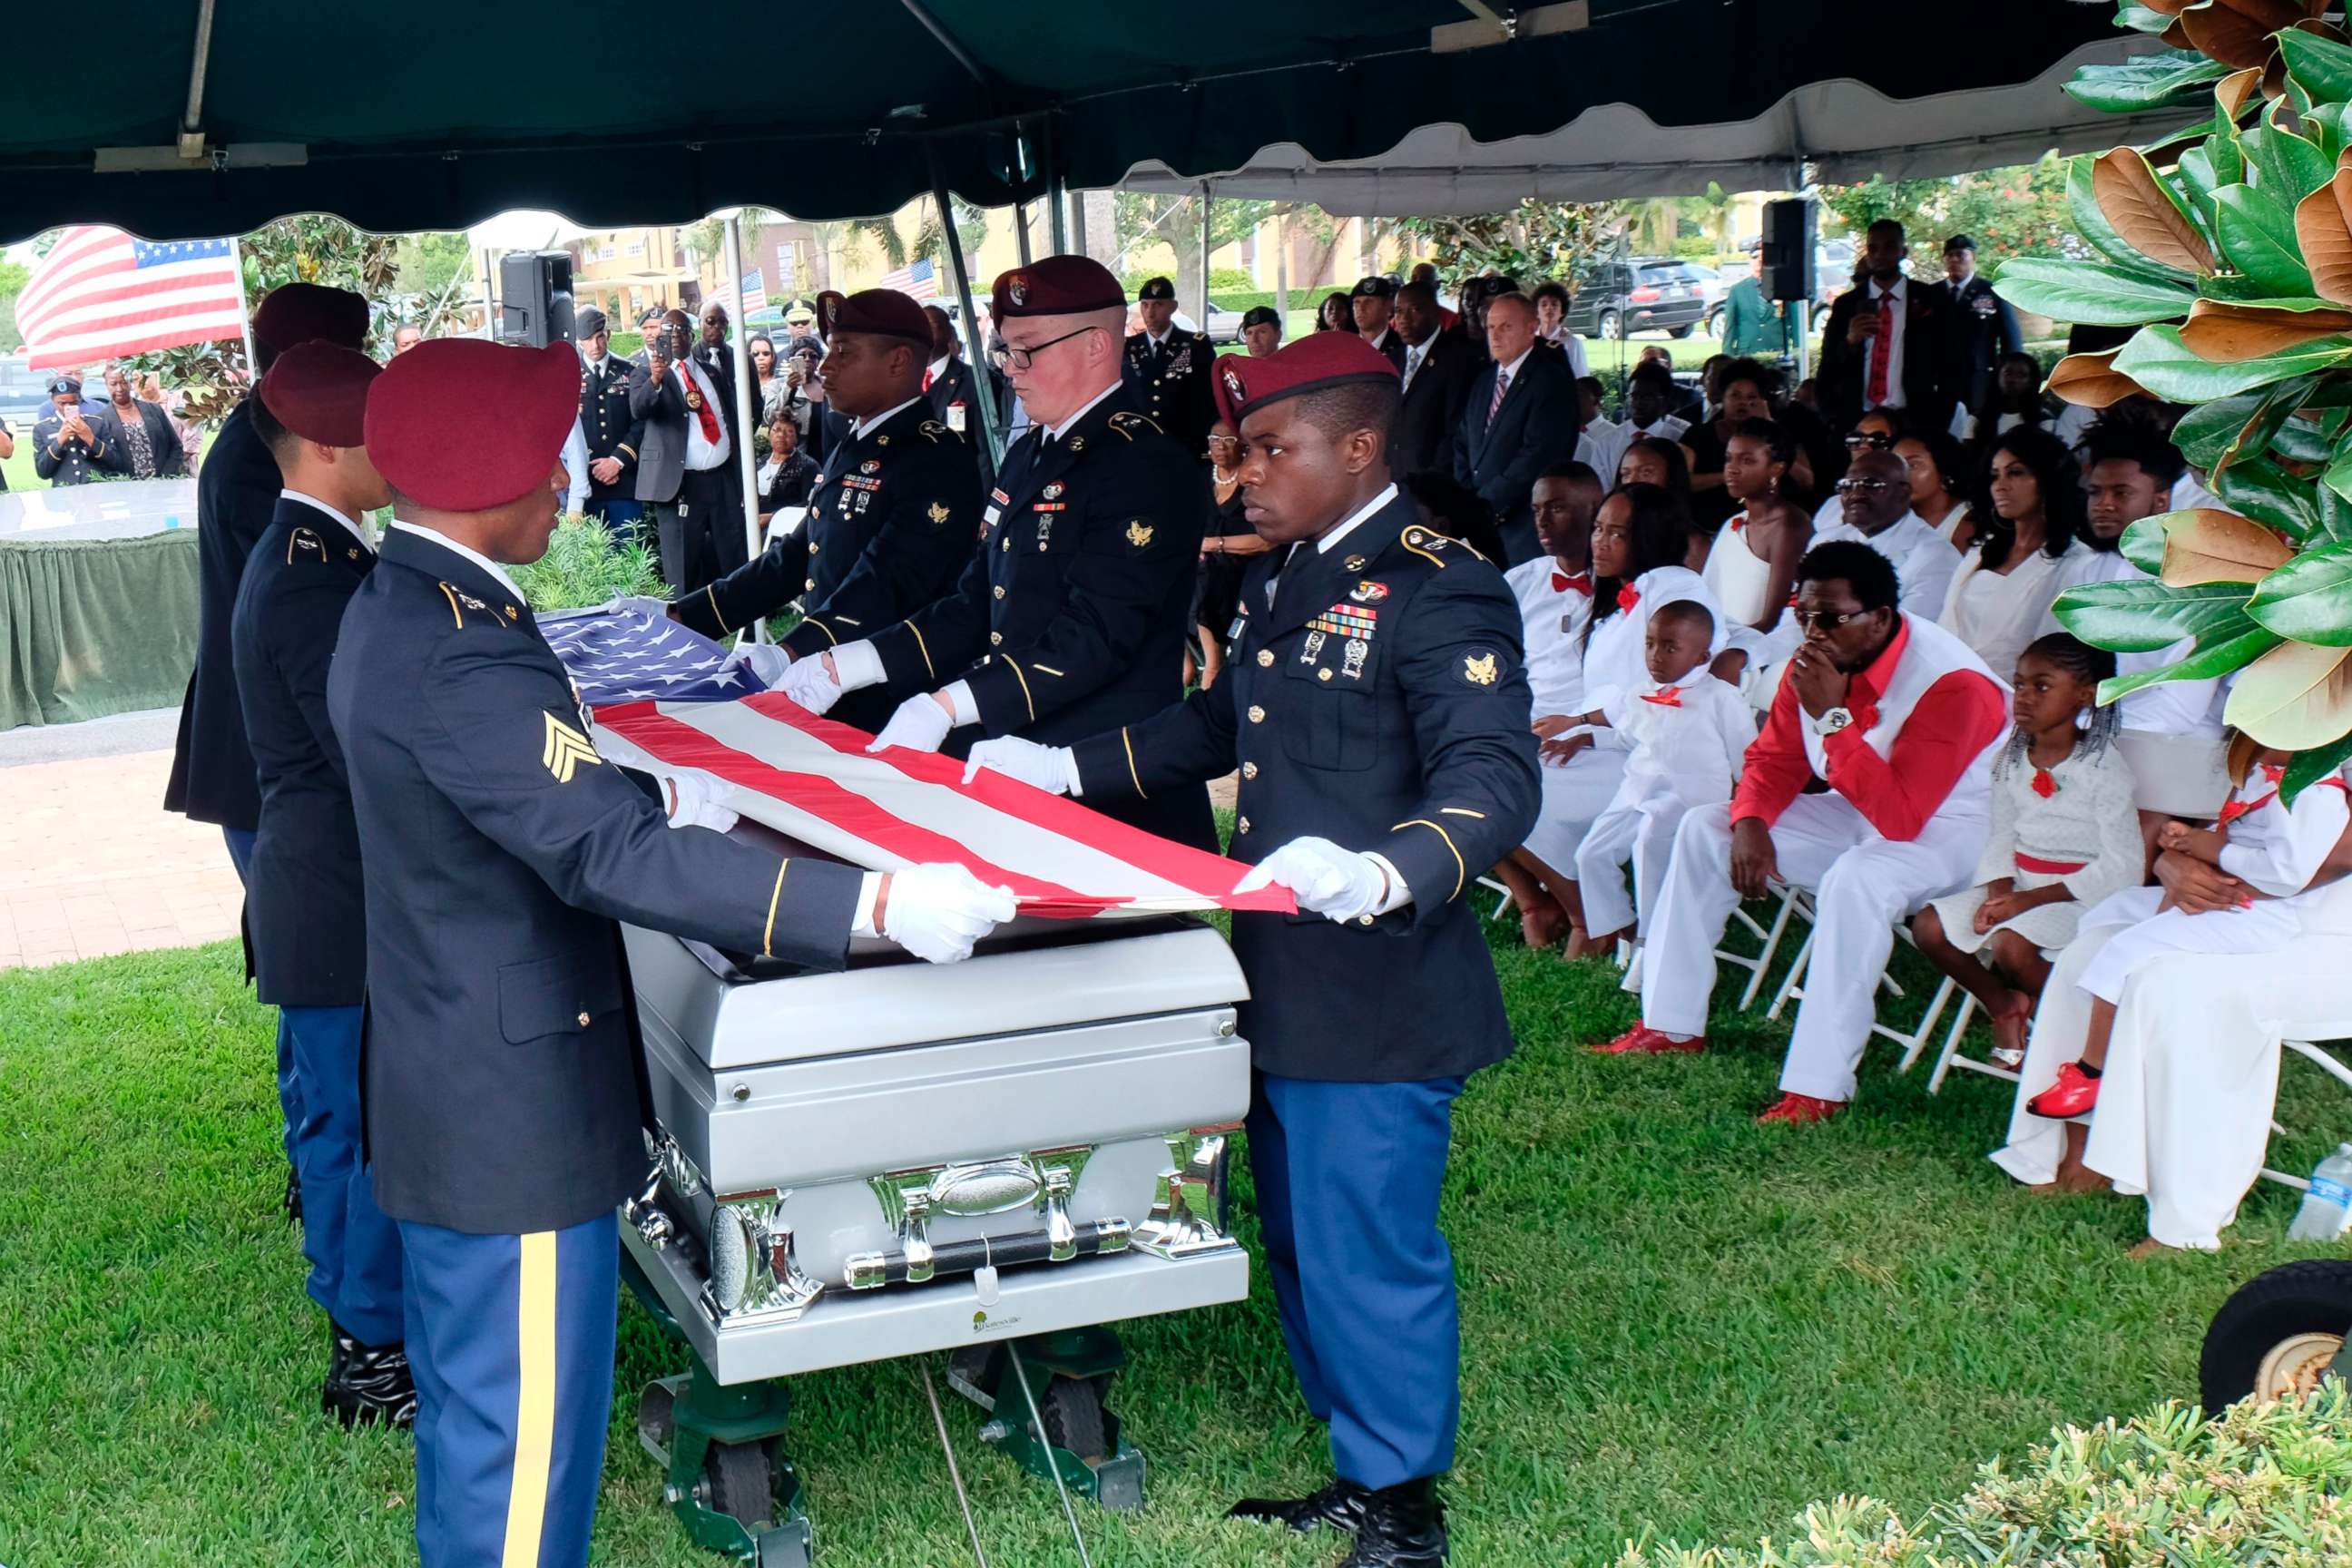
(1479, 668)
(1138, 534)
(1233, 385)
(1369, 592)
(870, 466)
(566, 749)
(938, 513)
(1053, 492)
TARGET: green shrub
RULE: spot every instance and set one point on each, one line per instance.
(2256, 1485)
(583, 565)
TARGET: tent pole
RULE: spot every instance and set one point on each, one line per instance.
(975, 348)
(1021, 229)
(746, 471)
(489, 303)
(1208, 202)
(244, 310)
(1057, 193)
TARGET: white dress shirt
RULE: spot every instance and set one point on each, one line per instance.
(357, 530)
(1900, 294)
(700, 455)
(1551, 627)
(858, 431)
(498, 573)
(2187, 708)
(1686, 754)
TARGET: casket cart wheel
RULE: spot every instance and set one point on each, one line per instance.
(1075, 1418)
(658, 1418)
(2279, 1334)
(739, 1480)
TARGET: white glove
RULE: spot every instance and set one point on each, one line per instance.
(764, 659)
(811, 685)
(697, 799)
(1338, 884)
(1054, 769)
(656, 608)
(919, 725)
(937, 912)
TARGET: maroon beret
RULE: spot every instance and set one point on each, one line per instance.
(828, 310)
(1056, 286)
(462, 424)
(1313, 363)
(300, 312)
(319, 392)
(884, 312)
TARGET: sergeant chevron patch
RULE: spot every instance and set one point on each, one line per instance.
(566, 749)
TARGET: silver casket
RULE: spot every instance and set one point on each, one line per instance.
(906, 1157)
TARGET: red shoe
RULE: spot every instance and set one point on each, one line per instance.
(2073, 1094)
(1799, 1111)
(1642, 1040)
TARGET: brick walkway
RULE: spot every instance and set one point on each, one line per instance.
(91, 864)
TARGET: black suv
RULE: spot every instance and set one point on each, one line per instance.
(1649, 293)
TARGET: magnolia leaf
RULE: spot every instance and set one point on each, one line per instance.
(2296, 697)
(2140, 615)
(2146, 19)
(2267, 493)
(2326, 123)
(2091, 381)
(2309, 599)
(2256, 231)
(2322, 231)
(2213, 655)
(2334, 516)
(2144, 82)
(2286, 166)
(2337, 476)
(2234, 92)
(2208, 432)
(2081, 205)
(2145, 214)
(2199, 178)
(2158, 361)
(2226, 333)
(2088, 293)
(2321, 67)
(2261, 432)
(2143, 543)
(2202, 546)
(2307, 768)
(2309, 436)
(2238, 32)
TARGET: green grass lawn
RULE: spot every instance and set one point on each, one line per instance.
(17, 467)
(1676, 1324)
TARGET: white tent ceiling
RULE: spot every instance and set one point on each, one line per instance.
(1845, 130)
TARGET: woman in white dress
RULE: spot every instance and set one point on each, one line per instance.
(1752, 570)
(2065, 835)
(1638, 539)
(2000, 599)
(1938, 468)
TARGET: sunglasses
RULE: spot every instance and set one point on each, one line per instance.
(1863, 487)
(1877, 441)
(1814, 621)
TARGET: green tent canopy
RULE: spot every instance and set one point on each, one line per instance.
(434, 115)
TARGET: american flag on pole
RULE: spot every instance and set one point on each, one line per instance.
(917, 281)
(813, 780)
(99, 294)
(628, 656)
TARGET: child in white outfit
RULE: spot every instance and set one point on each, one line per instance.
(2261, 841)
(1688, 734)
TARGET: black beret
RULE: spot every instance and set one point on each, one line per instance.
(1959, 242)
(652, 313)
(1060, 286)
(587, 321)
(1156, 289)
(1374, 288)
(1259, 316)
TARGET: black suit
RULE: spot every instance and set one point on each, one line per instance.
(1932, 381)
(212, 763)
(1502, 457)
(951, 388)
(1981, 328)
(1423, 440)
(1392, 344)
(697, 512)
(162, 441)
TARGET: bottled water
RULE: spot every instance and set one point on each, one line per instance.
(2328, 1205)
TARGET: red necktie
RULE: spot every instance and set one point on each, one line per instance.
(701, 406)
(926, 381)
(1582, 583)
(1882, 350)
(1664, 697)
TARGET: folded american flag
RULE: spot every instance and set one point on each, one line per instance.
(813, 779)
(629, 656)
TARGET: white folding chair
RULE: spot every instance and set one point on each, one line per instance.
(1914, 1041)
(2333, 1069)
(1503, 906)
(1951, 1056)
(1790, 900)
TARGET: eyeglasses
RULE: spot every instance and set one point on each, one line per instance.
(1812, 621)
(1004, 357)
(1876, 440)
(1863, 487)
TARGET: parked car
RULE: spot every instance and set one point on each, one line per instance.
(1648, 293)
(1225, 325)
(23, 392)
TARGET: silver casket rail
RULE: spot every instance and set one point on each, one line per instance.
(906, 1157)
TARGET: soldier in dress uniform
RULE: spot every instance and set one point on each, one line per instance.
(213, 774)
(66, 449)
(947, 380)
(1168, 369)
(504, 1090)
(1377, 708)
(305, 920)
(891, 520)
(1071, 618)
(1981, 325)
(613, 432)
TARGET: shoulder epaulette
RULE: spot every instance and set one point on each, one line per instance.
(1126, 425)
(1432, 545)
(461, 603)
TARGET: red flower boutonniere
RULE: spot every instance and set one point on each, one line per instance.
(1626, 597)
(2044, 785)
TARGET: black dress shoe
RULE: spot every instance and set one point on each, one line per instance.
(1403, 1527)
(293, 1196)
(368, 1385)
(1338, 1505)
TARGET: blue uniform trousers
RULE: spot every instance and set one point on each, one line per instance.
(620, 516)
(290, 1102)
(354, 1251)
(240, 849)
(510, 1341)
(1347, 1177)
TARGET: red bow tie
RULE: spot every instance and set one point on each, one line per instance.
(1626, 597)
(1582, 583)
(1664, 697)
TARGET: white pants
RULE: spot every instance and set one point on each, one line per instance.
(1645, 835)
(1574, 794)
(1862, 884)
(2184, 1112)
(2148, 935)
